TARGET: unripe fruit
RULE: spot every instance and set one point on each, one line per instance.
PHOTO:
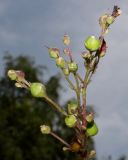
(73, 67)
(92, 43)
(70, 121)
(38, 90)
(92, 129)
(72, 106)
(75, 147)
(60, 62)
(53, 52)
(110, 20)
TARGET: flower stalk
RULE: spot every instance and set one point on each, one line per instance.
(55, 105)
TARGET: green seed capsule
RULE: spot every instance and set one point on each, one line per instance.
(92, 129)
(70, 121)
(92, 43)
(38, 90)
(73, 67)
(60, 62)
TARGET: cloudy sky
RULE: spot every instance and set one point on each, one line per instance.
(27, 25)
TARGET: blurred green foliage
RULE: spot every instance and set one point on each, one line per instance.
(21, 116)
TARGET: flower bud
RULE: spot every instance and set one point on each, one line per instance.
(70, 121)
(54, 52)
(72, 66)
(110, 20)
(66, 71)
(92, 43)
(92, 129)
(66, 40)
(72, 107)
(89, 118)
(38, 90)
(60, 62)
(12, 74)
(45, 129)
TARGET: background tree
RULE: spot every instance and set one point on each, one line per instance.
(21, 115)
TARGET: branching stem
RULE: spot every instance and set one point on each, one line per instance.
(56, 106)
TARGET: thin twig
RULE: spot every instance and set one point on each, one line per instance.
(60, 139)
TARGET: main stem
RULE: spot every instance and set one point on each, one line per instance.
(77, 89)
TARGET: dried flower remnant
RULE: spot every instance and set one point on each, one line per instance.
(19, 77)
(66, 40)
(54, 52)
